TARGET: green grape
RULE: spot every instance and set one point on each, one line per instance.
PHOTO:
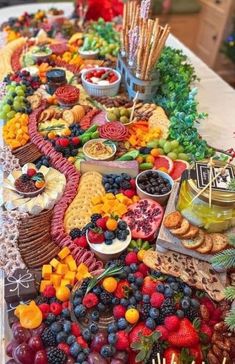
(23, 87)
(161, 151)
(17, 106)
(20, 92)
(17, 99)
(174, 144)
(14, 84)
(2, 116)
(22, 98)
(161, 142)
(172, 155)
(167, 147)
(180, 149)
(183, 156)
(11, 114)
(6, 108)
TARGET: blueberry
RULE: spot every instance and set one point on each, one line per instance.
(146, 298)
(71, 339)
(81, 356)
(75, 349)
(109, 235)
(95, 315)
(168, 292)
(61, 337)
(115, 301)
(187, 291)
(80, 311)
(132, 301)
(170, 279)
(139, 281)
(79, 293)
(118, 180)
(107, 186)
(50, 318)
(67, 327)
(153, 313)
(56, 327)
(127, 269)
(160, 288)
(195, 303)
(138, 296)
(124, 302)
(174, 286)
(86, 334)
(122, 324)
(112, 328)
(180, 313)
(77, 301)
(122, 225)
(131, 278)
(106, 351)
(133, 267)
(112, 338)
(150, 323)
(125, 176)
(108, 242)
(93, 328)
(185, 303)
(121, 235)
(97, 290)
(101, 307)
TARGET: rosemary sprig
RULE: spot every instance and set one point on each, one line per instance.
(110, 271)
(52, 127)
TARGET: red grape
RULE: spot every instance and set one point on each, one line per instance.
(40, 357)
(99, 340)
(35, 343)
(10, 347)
(38, 330)
(70, 360)
(23, 354)
(20, 334)
(95, 358)
(11, 361)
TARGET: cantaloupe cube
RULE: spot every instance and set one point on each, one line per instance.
(64, 253)
(64, 282)
(135, 198)
(62, 269)
(46, 271)
(119, 196)
(122, 209)
(72, 265)
(55, 279)
(70, 276)
(106, 207)
(44, 284)
(54, 262)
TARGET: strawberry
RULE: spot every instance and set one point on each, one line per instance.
(196, 352)
(209, 305)
(31, 172)
(122, 286)
(138, 275)
(143, 269)
(206, 330)
(185, 337)
(172, 323)
(132, 182)
(119, 311)
(81, 242)
(122, 342)
(75, 140)
(149, 286)
(64, 347)
(101, 223)
(131, 258)
(82, 342)
(95, 236)
(156, 299)
(139, 329)
(163, 331)
(128, 193)
(170, 353)
(90, 300)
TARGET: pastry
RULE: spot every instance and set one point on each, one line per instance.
(191, 233)
(220, 242)
(206, 246)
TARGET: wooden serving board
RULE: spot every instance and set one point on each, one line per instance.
(168, 241)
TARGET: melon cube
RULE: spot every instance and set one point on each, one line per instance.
(70, 276)
(64, 283)
(55, 279)
(62, 269)
(54, 262)
(96, 200)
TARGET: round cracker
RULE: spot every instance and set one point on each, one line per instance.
(220, 242)
(191, 234)
(194, 243)
(206, 245)
(183, 229)
(173, 220)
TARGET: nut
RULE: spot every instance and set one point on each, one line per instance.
(215, 337)
(221, 326)
(212, 359)
(204, 312)
(217, 351)
(223, 345)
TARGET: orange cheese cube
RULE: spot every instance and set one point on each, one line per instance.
(97, 209)
(70, 276)
(64, 253)
(44, 284)
(71, 263)
(54, 262)
(55, 279)
(96, 199)
(62, 269)
(46, 271)
(64, 282)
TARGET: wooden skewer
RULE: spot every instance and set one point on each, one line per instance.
(164, 361)
(210, 178)
(153, 361)
(172, 358)
(158, 358)
(224, 360)
(133, 106)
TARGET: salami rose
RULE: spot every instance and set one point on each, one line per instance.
(115, 131)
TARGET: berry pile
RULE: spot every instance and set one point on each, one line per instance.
(67, 146)
(119, 183)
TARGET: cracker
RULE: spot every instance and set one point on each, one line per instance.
(173, 220)
(68, 116)
(183, 229)
(220, 242)
(192, 233)
(206, 245)
(194, 243)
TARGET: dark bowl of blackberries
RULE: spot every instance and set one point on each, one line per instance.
(154, 184)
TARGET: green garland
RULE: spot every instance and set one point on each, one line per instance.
(178, 99)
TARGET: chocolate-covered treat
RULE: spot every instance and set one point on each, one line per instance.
(153, 183)
(11, 309)
(38, 276)
(20, 286)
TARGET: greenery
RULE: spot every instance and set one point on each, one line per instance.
(178, 98)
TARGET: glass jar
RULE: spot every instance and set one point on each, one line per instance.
(219, 217)
(55, 78)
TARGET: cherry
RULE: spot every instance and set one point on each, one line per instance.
(23, 354)
(38, 330)
(35, 343)
(20, 334)
(10, 347)
(40, 357)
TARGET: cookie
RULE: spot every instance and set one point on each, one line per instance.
(206, 246)
(183, 229)
(173, 220)
(220, 242)
(191, 233)
(194, 243)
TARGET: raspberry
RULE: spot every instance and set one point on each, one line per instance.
(90, 300)
(138, 275)
(143, 269)
(81, 241)
(163, 331)
(56, 308)
(31, 172)
(75, 329)
(131, 258)
(65, 304)
(45, 309)
(122, 342)
(128, 193)
(121, 288)
(172, 323)
(49, 291)
(64, 347)
(157, 299)
(132, 182)
(82, 342)
(119, 311)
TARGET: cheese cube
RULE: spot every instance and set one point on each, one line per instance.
(71, 263)
(46, 271)
(62, 269)
(54, 262)
(70, 276)
(55, 279)
(64, 253)
(64, 282)
(44, 284)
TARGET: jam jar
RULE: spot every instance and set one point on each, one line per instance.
(217, 218)
(55, 78)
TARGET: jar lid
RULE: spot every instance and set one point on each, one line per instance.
(56, 75)
(220, 194)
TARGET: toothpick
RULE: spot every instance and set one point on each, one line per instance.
(153, 361)
(224, 360)
(164, 361)
(158, 358)
(134, 104)
(210, 178)
(172, 358)
(193, 362)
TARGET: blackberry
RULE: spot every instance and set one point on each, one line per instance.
(106, 297)
(41, 299)
(48, 338)
(24, 177)
(114, 263)
(84, 285)
(56, 356)
(95, 217)
(50, 318)
(125, 185)
(145, 310)
(75, 233)
(191, 313)
(166, 309)
(157, 348)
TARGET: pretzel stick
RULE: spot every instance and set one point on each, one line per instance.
(156, 36)
(162, 41)
(141, 46)
(158, 358)
(148, 47)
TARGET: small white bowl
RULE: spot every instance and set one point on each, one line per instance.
(109, 121)
(88, 54)
(162, 199)
(101, 90)
(91, 158)
(108, 252)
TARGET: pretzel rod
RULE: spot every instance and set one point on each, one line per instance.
(158, 358)
(156, 38)
(141, 45)
(148, 47)
(162, 42)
